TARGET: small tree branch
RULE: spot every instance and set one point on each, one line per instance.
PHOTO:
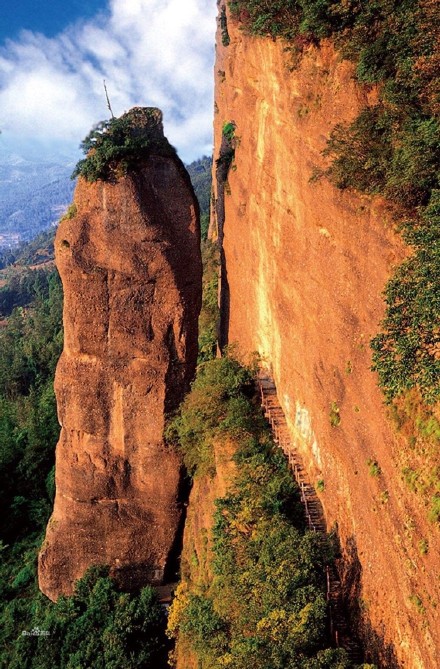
(108, 100)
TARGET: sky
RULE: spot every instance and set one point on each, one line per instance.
(55, 54)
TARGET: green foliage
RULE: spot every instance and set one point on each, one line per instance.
(316, 18)
(413, 173)
(374, 468)
(405, 354)
(98, 627)
(423, 546)
(71, 212)
(209, 314)
(361, 152)
(434, 511)
(117, 145)
(417, 602)
(374, 155)
(214, 405)
(265, 607)
(203, 625)
(224, 27)
(277, 19)
(227, 151)
(229, 131)
(30, 345)
(200, 173)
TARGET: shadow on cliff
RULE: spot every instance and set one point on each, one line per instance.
(172, 568)
(223, 164)
(376, 649)
(223, 330)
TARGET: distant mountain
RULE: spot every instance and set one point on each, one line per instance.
(200, 173)
(33, 195)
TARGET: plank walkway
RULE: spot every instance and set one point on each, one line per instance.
(339, 628)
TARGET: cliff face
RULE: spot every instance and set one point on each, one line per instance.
(304, 267)
(130, 265)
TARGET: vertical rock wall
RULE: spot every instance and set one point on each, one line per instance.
(304, 267)
(130, 264)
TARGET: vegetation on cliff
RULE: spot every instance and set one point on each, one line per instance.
(115, 146)
(265, 605)
(209, 314)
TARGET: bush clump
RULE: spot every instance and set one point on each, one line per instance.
(406, 352)
(217, 403)
(119, 144)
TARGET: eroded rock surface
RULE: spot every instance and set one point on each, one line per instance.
(130, 264)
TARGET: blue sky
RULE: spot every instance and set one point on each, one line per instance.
(49, 17)
(54, 56)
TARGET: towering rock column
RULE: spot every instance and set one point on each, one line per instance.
(130, 264)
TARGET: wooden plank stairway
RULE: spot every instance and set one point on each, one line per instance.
(339, 628)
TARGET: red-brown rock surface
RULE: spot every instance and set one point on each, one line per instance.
(130, 264)
(304, 270)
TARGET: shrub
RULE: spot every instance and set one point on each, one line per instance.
(279, 18)
(209, 314)
(214, 405)
(224, 27)
(374, 468)
(227, 151)
(70, 213)
(405, 354)
(335, 416)
(434, 511)
(97, 627)
(361, 152)
(117, 145)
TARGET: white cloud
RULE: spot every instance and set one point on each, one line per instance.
(150, 52)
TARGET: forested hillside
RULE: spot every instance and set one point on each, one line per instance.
(33, 195)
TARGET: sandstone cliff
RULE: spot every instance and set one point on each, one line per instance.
(303, 270)
(130, 264)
